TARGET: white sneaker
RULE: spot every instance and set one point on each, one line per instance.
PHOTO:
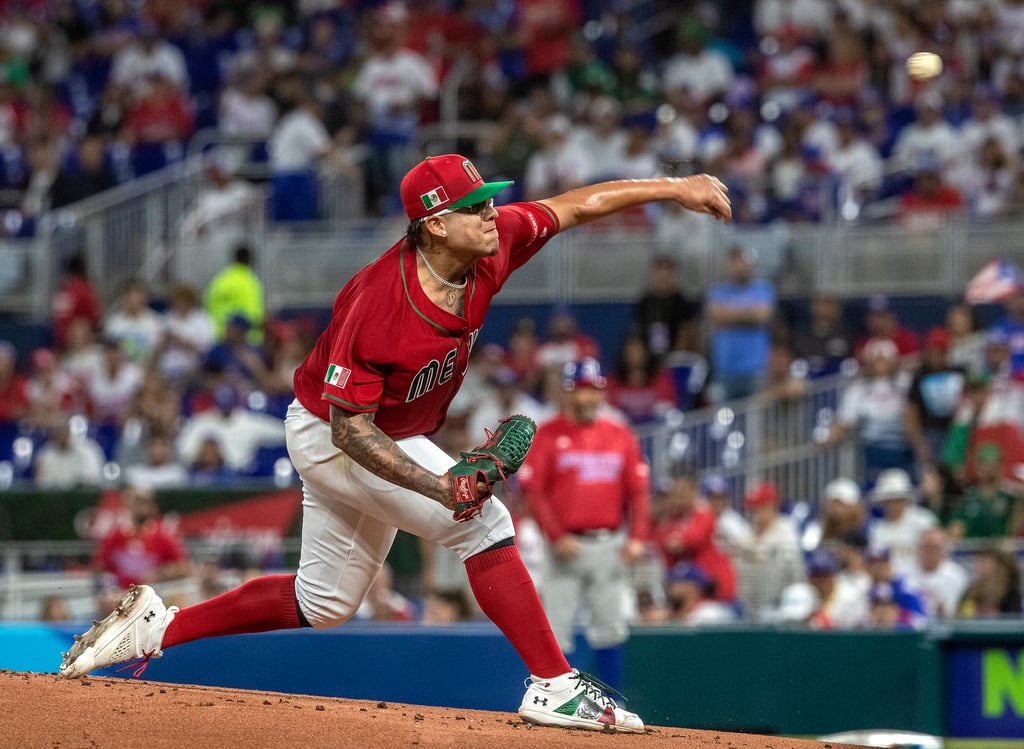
(575, 700)
(134, 629)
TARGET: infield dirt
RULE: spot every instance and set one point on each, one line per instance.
(45, 710)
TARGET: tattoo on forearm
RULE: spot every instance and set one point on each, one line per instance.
(361, 440)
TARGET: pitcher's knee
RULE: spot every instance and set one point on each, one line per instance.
(324, 609)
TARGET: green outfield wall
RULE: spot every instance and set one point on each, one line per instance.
(787, 682)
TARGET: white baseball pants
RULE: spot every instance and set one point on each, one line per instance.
(350, 518)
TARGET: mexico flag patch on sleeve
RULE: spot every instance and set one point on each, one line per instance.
(337, 375)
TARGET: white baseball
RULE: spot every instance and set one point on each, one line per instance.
(924, 65)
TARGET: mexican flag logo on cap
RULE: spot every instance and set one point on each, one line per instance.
(434, 198)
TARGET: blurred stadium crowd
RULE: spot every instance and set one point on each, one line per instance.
(802, 107)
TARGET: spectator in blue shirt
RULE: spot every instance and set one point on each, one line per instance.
(740, 312)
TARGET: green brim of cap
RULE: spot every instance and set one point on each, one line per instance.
(484, 192)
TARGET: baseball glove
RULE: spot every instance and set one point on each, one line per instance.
(499, 457)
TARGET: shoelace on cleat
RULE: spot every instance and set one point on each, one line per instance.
(139, 665)
(597, 690)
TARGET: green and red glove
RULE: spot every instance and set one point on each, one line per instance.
(473, 477)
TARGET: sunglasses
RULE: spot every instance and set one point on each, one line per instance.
(476, 209)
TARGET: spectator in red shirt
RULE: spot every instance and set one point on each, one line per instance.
(51, 390)
(162, 115)
(639, 387)
(686, 533)
(930, 202)
(76, 298)
(522, 355)
(144, 548)
(545, 30)
(14, 402)
(442, 36)
(565, 343)
(786, 73)
(841, 79)
(880, 321)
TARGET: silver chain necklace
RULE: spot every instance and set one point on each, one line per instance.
(442, 281)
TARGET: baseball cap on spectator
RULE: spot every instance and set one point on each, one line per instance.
(928, 162)
(879, 303)
(790, 31)
(688, 572)
(988, 452)
(985, 92)
(844, 116)
(761, 495)
(929, 99)
(440, 184)
(937, 338)
(880, 347)
(557, 124)
(225, 396)
(997, 337)
(877, 554)
(797, 602)
(392, 12)
(44, 358)
(822, 563)
(506, 377)
(843, 489)
(811, 152)
(870, 96)
(892, 483)
(747, 254)
(240, 320)
(882, 593)
(583, 373)
(283, 330)
(493, 352)
(714, 485)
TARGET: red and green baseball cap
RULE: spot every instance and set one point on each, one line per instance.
(443, 183)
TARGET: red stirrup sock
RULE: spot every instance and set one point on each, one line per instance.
(260, 605)
(505, 592)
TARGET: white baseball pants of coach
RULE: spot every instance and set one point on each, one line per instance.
(350, 517)
(596, 581)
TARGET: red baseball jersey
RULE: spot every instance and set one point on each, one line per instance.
(389, 350)
(586, 477)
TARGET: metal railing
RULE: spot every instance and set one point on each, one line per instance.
(30, 571)
(134, 230)
(597, 265)
(757, 439)
(122, 233)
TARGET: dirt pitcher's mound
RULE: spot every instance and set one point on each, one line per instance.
(45, 710)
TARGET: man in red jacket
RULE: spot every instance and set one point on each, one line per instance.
(587, 485)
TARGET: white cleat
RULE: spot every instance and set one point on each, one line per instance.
(575, 700)
(134, 629)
